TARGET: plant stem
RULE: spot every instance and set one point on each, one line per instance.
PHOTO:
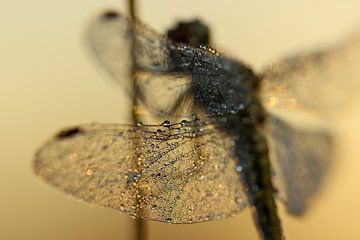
(132, 9)
(140, 228)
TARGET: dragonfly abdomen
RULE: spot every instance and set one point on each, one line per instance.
(255, 170)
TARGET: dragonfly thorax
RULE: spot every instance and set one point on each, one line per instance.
(226, 93)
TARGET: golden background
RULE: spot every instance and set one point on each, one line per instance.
(49, 81)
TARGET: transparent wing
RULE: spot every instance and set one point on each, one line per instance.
(109, 39)
(165, 94)
(300, 160)
(173, 173)
(319, 82)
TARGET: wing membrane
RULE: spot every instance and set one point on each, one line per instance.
(300, 159)
(319, 82)
(177, 174)
(109, 39)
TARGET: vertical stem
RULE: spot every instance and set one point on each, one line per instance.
(132, 9)
(132, 12)
(140, 228)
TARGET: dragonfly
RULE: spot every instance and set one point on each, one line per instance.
(212, 136)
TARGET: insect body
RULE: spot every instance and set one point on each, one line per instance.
(227, 90)
(216, 147)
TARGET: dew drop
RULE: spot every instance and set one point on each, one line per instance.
(166, 123)
(232, 111)
(89, 172)
(184, 123)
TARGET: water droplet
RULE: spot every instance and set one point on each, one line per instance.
(239, 201)
(185, 123)
(89, 172)
(166, 123)
(239, 168)
(232, 111)
(132, 178)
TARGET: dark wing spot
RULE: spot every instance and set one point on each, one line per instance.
(70, 132)
(110, 15)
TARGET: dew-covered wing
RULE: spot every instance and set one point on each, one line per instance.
(179, 173)
(109, 38)
(320, 82)
(300, 158)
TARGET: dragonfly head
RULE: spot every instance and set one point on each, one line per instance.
(194, 33)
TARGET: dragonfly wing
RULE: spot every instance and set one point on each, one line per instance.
(177, 174)
(165, 95)
(109, 38)
(320, 82)
(316, 84)
(300, 160)
(91, 162)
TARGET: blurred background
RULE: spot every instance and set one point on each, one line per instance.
(48, 81)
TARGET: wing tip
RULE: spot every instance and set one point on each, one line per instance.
(69, 132)
(110, 15)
